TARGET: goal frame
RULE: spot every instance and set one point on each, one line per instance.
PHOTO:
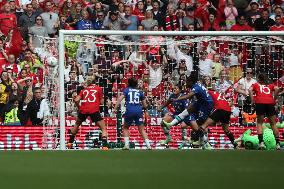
(61, 48)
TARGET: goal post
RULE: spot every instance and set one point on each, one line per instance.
(64, 33)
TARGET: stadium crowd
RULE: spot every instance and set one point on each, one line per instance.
(229, 66)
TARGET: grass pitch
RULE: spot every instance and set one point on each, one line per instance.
(141, 169)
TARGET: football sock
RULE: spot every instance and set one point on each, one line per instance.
(104, 141)
(71, 139)
(147, 141)
(183, 114)
(194, 136)
(260, 138)
(200, 132)
(183, 133)
(277, 140)
(126, 141)
(230, 136)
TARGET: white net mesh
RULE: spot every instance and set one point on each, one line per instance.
(159, 63)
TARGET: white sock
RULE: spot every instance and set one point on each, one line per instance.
(126, 141)
(183, 114)
(147, 141)
(180, 117)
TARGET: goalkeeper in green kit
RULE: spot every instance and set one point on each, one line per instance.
(250, 142)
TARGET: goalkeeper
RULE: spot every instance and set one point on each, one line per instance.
(250, 142)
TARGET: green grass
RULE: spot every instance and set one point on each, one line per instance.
(141, 169)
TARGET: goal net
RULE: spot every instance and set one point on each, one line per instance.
(159, 61)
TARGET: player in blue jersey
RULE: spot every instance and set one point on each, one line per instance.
(134, 99)
(177, 108)
(201, 107)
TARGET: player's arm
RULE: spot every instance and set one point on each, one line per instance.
(76, 100)
(169, 101)
(187, 96)
(276, 93)
(251, 94)
(118, 102)
(240, 90)
(144, 103)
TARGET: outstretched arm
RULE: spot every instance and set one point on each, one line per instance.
(187, 96)
(77, 101)
(118, 102)
(251, 94)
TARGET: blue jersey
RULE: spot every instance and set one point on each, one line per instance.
(133, 101)
(201, 94)
(178, 105)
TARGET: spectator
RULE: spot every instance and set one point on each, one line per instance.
(132, 18)
(22, 76)
(33, 62)
(231, 13)
(120, 9)
(15, 93)
(233, 59)
(149, 22)
(223, 84)
(241, 24)
(75, 16)
(71, 86)
(139, 11)
(11, 113)
(158, 14)
(156, 75)
(114, 21)
(97, 7)
(67, 7)
(27, 20)
(278, 11)
(50, 20)
(278, 24)
(8, 27)
(11, 64)
(5, 88)
(37, 33)
(212, 24)
(217, 66)
(171, 22)
(205, 65)
(99, 20)
(137, 57)
(34, 107)
(264, 22)
(243, 87)
(36, 8)
(3, 55)
(253, 13)
(84, 23)
(190, 19)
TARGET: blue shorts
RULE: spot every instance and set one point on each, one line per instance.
(137, 119)
(202, 111)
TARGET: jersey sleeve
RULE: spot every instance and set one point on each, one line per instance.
(195, 90)
(125, 91)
